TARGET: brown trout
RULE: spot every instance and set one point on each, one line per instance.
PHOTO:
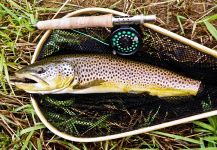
(94, 73)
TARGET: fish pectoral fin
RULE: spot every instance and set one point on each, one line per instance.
(89, 84)
(98, 86)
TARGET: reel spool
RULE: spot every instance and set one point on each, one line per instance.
(125, 40)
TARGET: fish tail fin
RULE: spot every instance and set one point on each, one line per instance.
(207, 89)
(202, 90)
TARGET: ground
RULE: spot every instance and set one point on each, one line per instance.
(20, 127)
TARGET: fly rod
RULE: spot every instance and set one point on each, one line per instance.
(93, 21)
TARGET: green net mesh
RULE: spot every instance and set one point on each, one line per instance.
(96, 115)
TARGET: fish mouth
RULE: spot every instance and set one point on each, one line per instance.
(22, 80)
(25, 79)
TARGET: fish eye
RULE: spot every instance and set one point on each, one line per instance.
(40, 70)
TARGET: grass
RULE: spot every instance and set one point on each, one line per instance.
(19, 125)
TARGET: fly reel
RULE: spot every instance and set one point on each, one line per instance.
(125, 40)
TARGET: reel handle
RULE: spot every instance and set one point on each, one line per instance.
(93, 21)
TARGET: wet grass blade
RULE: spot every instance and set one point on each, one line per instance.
(212, 30)
(180, 19)
(26, 142)
(178, 137)
(10, 12)
(209, 18)
(213, 122)
(65, 143)
(204, 126)
(30, 129)
(39, 145)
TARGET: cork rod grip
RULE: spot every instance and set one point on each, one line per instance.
(76, 22)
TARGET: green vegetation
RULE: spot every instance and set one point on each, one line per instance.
(19, 125)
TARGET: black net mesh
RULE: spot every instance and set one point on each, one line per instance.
(96, 115)
(173, 54)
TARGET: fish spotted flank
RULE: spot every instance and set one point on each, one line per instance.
(94, 73)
